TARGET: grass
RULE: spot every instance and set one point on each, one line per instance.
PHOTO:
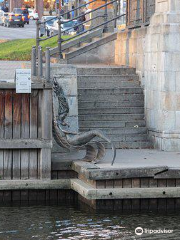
(20, 49)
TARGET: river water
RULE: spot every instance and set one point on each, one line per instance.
(72, 222)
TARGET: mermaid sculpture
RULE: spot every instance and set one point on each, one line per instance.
(72, 140)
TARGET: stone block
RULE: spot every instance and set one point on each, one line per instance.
(69, 84)
(73, 106)
(168, 81)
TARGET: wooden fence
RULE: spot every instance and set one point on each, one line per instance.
(139, 12)
(25, 133)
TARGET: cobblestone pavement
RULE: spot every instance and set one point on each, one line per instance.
(7, 69)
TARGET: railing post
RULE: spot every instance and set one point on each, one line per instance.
(37, 35)
(59, 37)
(105, 18)
(115, 13)
(40, 65)
(33, 61)
(47, 64)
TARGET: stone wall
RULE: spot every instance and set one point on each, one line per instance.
(155, 52)
(129, 49)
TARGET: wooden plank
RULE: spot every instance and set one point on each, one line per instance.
(171, 202)
(7, 164)
(101, 184)
(24, 143)
(127, 183)
(25, 164)
(118, 183)
(25, 134)
(24, 195)
(2, 113)
(25, 123)
(144, 182)
(136, 202)
(33, 164)
(1, 164)
(8, 114)
(33, 157)
(109, 184)
(8, 134)
(16, 196)
(40, 113)
(16, 174)
(16, 115)
(153, 203)
(47, 115)
(38, 85)
(16, 134)
(162, 203)
(34, 115)
(45, 164)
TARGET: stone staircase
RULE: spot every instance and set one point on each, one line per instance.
(111, 99)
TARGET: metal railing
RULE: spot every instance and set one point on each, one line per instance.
(37, 52)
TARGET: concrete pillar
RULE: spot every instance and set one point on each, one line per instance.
(15, 4)
(162, 75)
(39, 6)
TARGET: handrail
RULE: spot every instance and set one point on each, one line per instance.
(44, 39)
(79, 23)
(93, 28)
(93, 10)
(60, 15)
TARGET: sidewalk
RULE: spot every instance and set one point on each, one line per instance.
(7, 68)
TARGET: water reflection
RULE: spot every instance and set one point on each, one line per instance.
(62, 222)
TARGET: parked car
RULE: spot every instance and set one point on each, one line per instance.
(24, 12)
(13, 20)
(67, 28)
(45, 28)
(1, 17)
(33, 14)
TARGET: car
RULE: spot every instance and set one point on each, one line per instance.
(13, 20)
(1, 17)
(67, 27)
(33, 14)
(48, 23)
(24, 12)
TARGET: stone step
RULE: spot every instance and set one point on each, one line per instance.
(130, 145)
(114, 104)
(112, 117)
(106, 78)
(107, 84)
(110, 91)
(118, 132)
(111, 124)
(106, 70)
(91, 111)
(119, 96)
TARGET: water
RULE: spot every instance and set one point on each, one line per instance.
(62, 222)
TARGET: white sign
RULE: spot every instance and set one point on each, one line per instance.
(23, 80)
